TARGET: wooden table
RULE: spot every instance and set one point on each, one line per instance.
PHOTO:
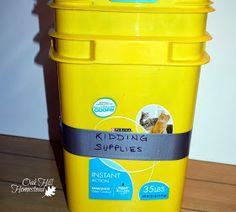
(209, 186)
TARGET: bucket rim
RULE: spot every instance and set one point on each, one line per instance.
(62, 59)
(180, 8)
(66, 36)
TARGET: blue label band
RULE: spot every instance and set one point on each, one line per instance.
(131, 146)
(155, 190)
(109, 180)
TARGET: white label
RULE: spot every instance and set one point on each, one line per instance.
(104, 107)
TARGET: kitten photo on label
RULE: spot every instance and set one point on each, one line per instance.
(161, 124)
(147, 122)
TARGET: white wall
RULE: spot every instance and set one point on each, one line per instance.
(22, 96)
(214, 136)
(23, 110)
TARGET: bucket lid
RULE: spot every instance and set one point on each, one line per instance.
(147, 6)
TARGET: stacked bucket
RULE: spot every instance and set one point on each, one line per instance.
(128, 75)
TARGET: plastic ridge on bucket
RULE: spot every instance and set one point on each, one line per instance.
(128, 78)
(90, 58)
(189, 24)
(158, 6)
(129, 50)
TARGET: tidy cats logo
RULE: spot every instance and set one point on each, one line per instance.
(37, 185)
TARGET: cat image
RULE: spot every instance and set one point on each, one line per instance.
(147, 122)
(144, 117)
(161, 124)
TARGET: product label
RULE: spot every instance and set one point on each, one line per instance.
(150, 136)
(154, 191)
(108, 180)
(155, 119)
(104, 107)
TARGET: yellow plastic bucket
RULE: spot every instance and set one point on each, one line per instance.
(128, 93)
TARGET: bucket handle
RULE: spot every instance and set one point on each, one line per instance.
(89, 55)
